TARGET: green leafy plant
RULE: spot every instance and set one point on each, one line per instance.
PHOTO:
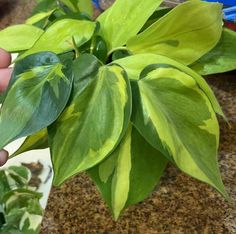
(20, 211)
(115, 97)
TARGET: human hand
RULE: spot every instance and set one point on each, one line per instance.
(5, 75)
(5, 72)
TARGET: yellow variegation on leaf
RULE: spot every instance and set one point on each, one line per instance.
(130, 173)
(94, 121)
(177, 118)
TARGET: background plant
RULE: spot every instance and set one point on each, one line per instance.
(20, 211)
(115, 97)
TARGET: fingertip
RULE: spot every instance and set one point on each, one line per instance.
(5, 58)
(3, 157)
(5, 76)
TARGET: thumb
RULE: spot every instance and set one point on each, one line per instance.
(3, 157)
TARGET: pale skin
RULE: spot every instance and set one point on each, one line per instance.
(5, 75)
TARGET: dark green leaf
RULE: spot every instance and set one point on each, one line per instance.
(38, 92)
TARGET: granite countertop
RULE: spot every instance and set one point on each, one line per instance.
(179, 204)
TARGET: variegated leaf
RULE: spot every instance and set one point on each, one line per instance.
(37, 141)
(38, 92)
(19, 37)
(182, 36)
(19, 205)
(94, 121)
(59, 37)
(220, 59)
(18, 177)
(133, 65)
(177, 118)
(22, 211)
(124, 20)
(130, 173)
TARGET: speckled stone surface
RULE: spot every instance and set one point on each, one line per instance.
(179, 204)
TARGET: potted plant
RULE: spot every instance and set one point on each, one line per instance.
(121, 96)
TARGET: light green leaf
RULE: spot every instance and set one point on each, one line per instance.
(133, 65)
(180, 36)
(177, 118)
(38, 17)
(130, 173)
(86, 7)
(220, 59)
(94, 120)
(124, 20)
(58, 37)
(19, 37)
(38, 92)
(37, 141)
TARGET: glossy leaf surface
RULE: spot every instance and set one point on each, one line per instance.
(124, 20)
(94, 121)
(58, 37)
(180, 36)
(220, 59)
(38, 92)
(177, 118)
(130, 173)
(19, 37)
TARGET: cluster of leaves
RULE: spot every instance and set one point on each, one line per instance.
(116, 97)
(20, 211)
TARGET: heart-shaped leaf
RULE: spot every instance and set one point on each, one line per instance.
(94, 121)
(182, 36)
(177, 118)
(37, 94)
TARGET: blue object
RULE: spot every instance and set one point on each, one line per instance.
(97, 5)
(229, 10)
(225, 2)
(230, 13)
